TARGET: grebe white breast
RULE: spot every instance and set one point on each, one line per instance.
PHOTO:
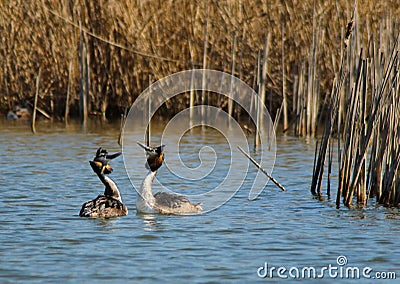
(109, 204)
(161, 202)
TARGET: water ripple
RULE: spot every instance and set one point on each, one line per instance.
(47, 179)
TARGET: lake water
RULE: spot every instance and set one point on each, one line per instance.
(46, 178)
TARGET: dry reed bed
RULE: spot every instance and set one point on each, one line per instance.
(132, 43)
(364, 122)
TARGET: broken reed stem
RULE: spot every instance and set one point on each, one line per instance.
(378, 107)
(84, 79)
(319, 168)
(262, 88)
(284, 93)
(261, 169)
(33, 125)
(191, 100)
(203, 86)
(121, 127)
(334, 104)
(369, 157)
(328, 189)
(354, 123)
(148, 129)
(256, 101)
(68, 93)
(231, 101)
(277, 117)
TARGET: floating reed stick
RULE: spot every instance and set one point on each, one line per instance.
(262, 170)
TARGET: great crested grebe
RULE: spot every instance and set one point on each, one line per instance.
(161, 202)
(109, 204)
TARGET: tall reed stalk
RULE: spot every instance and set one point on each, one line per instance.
(129, 41)
(365, 116)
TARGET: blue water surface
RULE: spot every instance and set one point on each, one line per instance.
(46, 177)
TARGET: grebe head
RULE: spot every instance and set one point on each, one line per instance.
(102, 160)
(95, 166)
(101, 152)
(155, 156)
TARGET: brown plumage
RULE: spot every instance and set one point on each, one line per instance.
(103, 206)
(154, 162)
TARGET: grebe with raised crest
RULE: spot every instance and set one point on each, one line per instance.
(109, 204)
(161, 202)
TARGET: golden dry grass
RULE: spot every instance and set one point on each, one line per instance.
(131, 42)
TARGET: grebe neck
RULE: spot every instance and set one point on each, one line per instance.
(111, 188)
(145, 201)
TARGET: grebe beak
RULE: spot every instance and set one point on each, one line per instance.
(102, 153)
(102, 160)
(113, 156)
(151, 150)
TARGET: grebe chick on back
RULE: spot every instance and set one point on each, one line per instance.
(161, 202)
(109, 204)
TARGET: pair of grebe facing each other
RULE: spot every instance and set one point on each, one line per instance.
(161, 202)
(109, 204)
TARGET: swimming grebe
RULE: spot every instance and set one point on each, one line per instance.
(161, 202)
(109, 204)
